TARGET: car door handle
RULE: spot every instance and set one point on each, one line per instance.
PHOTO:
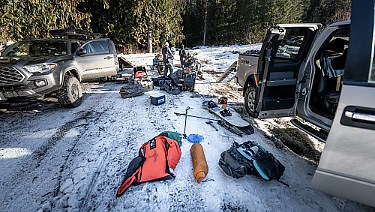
(360, 116)
(108, 57)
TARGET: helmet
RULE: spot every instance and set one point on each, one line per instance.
(166, 44)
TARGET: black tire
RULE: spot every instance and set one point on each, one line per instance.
(161, 69)
(250, 101)
(70, 94)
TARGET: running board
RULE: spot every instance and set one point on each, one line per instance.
(321, 135)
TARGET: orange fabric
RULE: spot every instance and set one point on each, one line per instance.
(157, 162)
(200, 166)
(128, 182)
(174, 153)
(155, 165)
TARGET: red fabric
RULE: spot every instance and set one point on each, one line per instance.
(155, 165)
(157, 162)
(128, 182)
(139, 74)
(174, 153)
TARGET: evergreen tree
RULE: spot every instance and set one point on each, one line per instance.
(22, 19)
(149, 23)
(159, 20)
(329, 11)
(194, 22)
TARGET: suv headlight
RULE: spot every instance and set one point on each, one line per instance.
(41, 68)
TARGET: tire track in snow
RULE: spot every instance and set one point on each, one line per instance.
(42, 151)
(30, 168)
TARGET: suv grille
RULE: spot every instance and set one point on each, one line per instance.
(9, 75)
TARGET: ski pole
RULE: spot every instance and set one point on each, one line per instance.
(199, 117)
(186, 115)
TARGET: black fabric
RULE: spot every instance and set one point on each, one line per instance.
(270, 166)
(133, 166)
(211, 104)
(188, 81)
(158, 80)
(167, 54)
(236, 165)
(176, 76)
(225, 112)
(231, 167)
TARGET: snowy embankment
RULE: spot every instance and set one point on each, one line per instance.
(74, 160)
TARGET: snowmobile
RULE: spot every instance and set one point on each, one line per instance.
(158, 63)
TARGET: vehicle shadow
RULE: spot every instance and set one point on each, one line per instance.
(283, 133)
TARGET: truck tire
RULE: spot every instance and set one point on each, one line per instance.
(250, 101)
(70, 94)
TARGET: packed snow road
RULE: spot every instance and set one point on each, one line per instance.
(56, 159)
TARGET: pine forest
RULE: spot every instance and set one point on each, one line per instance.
(144, 25)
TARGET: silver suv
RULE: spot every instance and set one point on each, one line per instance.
(31, 69)
(329, 81)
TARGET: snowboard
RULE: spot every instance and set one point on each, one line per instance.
(234, 123)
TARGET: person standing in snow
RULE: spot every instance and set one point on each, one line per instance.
(182, 56)
(167, 59)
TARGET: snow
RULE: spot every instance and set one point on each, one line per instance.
(56, 159)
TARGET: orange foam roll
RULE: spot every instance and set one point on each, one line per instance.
(199, 162)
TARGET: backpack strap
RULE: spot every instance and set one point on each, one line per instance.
(173, 154)
(256, 165)
(127, 183)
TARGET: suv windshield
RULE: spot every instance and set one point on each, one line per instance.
(37, 48)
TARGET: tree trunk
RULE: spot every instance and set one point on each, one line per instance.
(149, 40)
(205, 24)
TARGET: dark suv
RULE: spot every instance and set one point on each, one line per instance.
(31, 69)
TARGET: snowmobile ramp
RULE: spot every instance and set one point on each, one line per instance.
(228, 71)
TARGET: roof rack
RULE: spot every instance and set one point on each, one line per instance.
(74, 34)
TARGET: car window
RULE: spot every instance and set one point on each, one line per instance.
(37, 48)
(96, 47)
(74, 46)
(289, 48)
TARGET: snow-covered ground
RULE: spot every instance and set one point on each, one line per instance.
(56, 159)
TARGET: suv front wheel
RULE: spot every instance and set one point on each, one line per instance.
(70, 94)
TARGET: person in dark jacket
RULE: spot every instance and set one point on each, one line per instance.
(182, 55)
(167, 59)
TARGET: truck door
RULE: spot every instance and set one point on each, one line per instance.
(98, 60)
(284, 50)
(347, 164)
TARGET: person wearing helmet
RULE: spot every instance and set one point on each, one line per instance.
(167, 59)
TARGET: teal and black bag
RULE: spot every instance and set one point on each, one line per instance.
(250, 158)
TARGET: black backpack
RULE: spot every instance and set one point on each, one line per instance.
(250, 158)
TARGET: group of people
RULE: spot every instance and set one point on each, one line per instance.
(168, 58)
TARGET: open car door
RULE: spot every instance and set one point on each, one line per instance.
(347, 164)
(284, 49)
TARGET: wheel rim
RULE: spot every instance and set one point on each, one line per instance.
(251, 100)
(75, 91)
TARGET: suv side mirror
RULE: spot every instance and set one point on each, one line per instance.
(81, 52)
